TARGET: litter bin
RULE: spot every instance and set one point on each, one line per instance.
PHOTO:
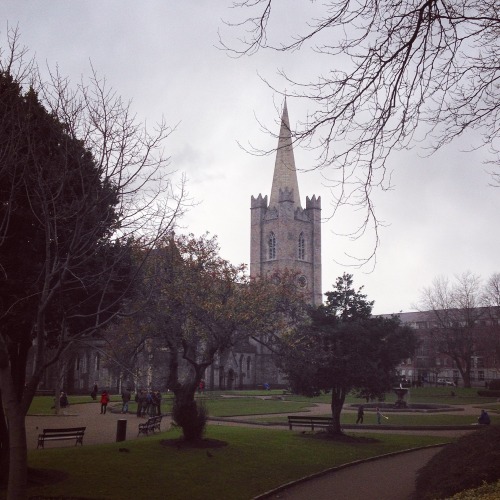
(121, 430)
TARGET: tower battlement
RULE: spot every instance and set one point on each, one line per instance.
(313, 202)
(259, 202)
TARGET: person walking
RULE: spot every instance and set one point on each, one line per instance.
(104, 402)
(361, 414)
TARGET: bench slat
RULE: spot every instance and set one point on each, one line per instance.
(309, 422)
(61, 434)
(152, 424)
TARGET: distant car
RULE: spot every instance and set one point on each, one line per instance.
(443, 381)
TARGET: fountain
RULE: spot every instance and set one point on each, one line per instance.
(400, 393)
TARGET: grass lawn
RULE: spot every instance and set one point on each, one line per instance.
(254, 461)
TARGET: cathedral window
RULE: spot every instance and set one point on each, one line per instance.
(272, 246)
(302, 247)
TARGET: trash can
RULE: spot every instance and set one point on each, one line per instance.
(121, 430)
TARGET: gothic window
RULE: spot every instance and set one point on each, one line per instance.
(272, 246)
(302, 247)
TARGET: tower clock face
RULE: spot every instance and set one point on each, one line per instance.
(302, 281)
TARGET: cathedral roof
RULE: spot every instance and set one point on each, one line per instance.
(285, 174)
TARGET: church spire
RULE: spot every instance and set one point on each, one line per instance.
(285, 174)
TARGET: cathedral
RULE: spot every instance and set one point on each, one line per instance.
(283, 235)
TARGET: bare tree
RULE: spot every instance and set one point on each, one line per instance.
(80, 179)
(396, 69)
(492, 303)
(457, 314)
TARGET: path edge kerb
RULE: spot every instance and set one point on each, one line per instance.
(315, 475)
(370, 427)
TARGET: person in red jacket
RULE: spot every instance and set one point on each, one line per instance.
(104, 401)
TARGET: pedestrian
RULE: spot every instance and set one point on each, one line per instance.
(361, 413)
(157, 403)
(63, 400)
(141, 402)
(149, 408)
(125, 400)
(104, 402)
(93, 394)
(484, 418)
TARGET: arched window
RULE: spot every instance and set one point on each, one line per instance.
(302, 247)
(272, 246)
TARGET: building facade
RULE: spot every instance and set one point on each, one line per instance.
(431, 365)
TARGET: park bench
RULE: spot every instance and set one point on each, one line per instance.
(312, 422)
(150, 426)
(75, 433)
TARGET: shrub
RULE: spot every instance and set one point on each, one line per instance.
(489, 394)
(494, 385)
(473, 460)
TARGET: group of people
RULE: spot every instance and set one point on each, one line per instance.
(148, 403)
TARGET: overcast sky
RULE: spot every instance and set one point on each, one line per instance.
(441, 215)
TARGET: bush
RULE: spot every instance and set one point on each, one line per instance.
(494, 385)
(473, 460)
(489, 394)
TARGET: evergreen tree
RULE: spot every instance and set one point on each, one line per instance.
(346, 349)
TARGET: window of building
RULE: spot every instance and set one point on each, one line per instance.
(97, 362)
(272, 246)
(302, 247)
(480, 375)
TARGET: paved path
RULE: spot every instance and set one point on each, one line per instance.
(391, 478)
(100, 428)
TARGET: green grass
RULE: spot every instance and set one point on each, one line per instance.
(254, 461)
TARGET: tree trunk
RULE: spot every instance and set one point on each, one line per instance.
(18, 456)
(338, 398)
(4, 448)
(186, 413)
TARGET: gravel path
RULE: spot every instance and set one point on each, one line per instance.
(100, 428)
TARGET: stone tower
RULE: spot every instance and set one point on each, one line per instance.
(283, 234)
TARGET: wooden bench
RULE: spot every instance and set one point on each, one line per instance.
(150, 426)
(75, 433)
(312, 422)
